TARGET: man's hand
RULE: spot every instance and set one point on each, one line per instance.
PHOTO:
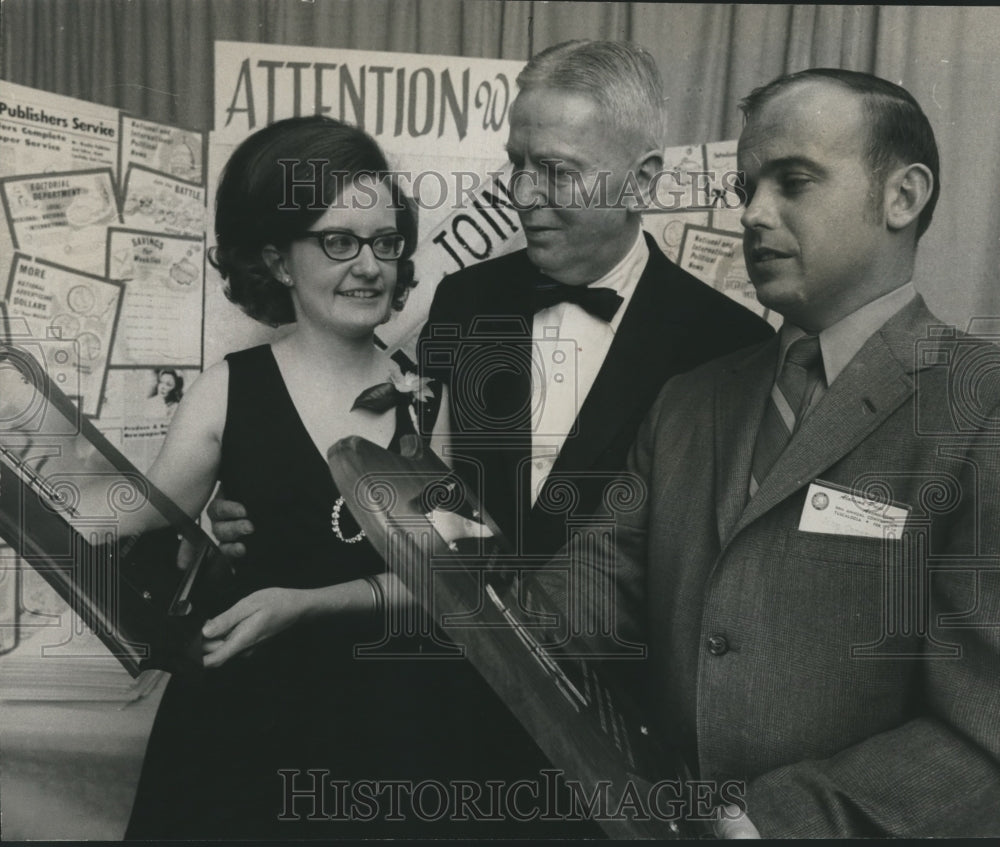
(253, 619)
(229, 525)
(734, 823)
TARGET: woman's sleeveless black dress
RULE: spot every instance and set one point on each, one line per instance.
(230, 749)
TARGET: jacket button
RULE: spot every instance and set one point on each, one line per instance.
(717, 645)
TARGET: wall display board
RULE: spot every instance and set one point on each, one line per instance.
(103, 239)
(695, 217)
(102, 255)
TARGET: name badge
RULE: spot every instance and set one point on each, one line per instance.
(833, 510)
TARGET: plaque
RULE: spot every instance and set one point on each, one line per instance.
(450, 556)
(94, 527)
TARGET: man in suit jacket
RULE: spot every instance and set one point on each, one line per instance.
(545, 396)
(823, 625)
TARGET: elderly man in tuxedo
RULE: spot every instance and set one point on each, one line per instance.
(815, 565)
(554, 354)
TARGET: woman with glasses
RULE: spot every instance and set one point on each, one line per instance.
(311, 233)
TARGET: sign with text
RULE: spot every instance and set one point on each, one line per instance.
(64, 304)
(715, 256)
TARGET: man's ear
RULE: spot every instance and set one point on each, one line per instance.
(646, 167)
(275, 262)
(907, 191)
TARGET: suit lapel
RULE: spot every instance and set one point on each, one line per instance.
(872, 386)
(506, 325)
(501, 369)
(741, 393)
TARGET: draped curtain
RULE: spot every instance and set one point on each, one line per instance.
(153, 58)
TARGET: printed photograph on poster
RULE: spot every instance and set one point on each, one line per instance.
(155, 201)
(716, 258)
(177, 152)
(668, 228)
(56, 302)
(62, 217)
(42, 132)
(164, 291)
(138, 406)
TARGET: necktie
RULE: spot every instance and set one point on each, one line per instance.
(600, 302)
(800, 373)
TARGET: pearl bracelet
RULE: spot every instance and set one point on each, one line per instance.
(335, 524)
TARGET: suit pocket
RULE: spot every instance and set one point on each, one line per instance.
(841, 549)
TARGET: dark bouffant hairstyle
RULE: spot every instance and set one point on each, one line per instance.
(898, 129)
(252, 209)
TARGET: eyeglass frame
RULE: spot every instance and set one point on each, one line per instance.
(321, 234)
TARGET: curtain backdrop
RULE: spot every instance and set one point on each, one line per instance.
(154, 59)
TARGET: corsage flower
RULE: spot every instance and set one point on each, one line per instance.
(401, 389)
(411, 383)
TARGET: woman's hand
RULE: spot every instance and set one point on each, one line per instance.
(257, 617)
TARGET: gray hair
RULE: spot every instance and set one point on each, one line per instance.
(621, 77)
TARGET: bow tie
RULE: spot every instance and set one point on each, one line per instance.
(600, 302)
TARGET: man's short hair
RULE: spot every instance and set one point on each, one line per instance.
(621, 77)
(898, 129)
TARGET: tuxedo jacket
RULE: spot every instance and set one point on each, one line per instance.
(478, 341)
(852, 682)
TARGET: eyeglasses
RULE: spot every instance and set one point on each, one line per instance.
(343, 246)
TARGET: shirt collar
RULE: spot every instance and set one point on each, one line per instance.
(623, 277)
(841, 342)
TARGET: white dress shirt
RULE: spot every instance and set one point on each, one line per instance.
(569, 349)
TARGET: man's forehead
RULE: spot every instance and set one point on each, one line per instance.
(564, 124)
(809, 119)
(547, 104)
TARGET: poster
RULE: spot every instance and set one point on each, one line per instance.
(668, 228)
(726, 201)
(170, 150)
(164, 293)
(42, 132)
(62, 303)
(716, 257)
(152, 200)
(62, 217)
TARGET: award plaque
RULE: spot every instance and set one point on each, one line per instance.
(93, 526)
(449, 554)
